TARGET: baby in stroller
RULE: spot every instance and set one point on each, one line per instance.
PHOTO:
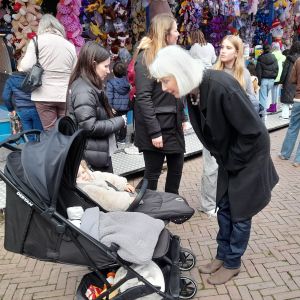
(110, 191)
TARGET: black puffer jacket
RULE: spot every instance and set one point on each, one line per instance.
(266, 67)
(86, 108)
(157, 113)
(288, 89)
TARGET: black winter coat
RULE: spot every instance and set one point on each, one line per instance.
(156, 113)
(86, 108)
(288, 89)
(229, 127)
(266, 67)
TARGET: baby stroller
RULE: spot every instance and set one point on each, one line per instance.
(40, 184)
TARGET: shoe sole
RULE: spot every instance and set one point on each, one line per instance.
(225, 281)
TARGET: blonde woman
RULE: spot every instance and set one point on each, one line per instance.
(158, 116)
(231, 61)
(206, 53)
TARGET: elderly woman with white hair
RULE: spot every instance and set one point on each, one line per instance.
(58, 58)
(226, 123)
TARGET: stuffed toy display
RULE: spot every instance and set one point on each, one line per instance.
(107, 23)
(25, 20)
(120, 24)
(277, 32)
(68, 14)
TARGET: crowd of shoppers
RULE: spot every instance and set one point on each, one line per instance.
(238, 173)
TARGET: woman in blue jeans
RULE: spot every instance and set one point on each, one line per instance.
(227, 124)
(291, 136)
(294, 126)
(23, 104)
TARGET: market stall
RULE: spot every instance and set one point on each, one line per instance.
(120, 24)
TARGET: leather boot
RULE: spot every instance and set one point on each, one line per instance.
(223, 275)
(211, 267)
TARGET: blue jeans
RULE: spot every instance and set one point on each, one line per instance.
(276, 93)
(265, 87)
(232, 237)
(30, 119)
(292, 134)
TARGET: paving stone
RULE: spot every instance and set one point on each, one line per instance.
(270, 267)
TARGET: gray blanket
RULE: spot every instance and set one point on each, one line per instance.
(135, 233)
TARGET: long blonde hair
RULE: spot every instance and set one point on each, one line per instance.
(239, 64)
(160, 27)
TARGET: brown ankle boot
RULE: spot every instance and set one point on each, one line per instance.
(222, 275)
(211, 267)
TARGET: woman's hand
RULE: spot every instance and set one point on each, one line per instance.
(129, 188)
(158, 142)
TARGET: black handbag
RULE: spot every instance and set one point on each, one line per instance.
(33, 78)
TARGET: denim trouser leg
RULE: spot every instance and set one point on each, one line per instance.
(232, 237)
(30, 119)
(265, 88)
(276, 93)
(292, 134)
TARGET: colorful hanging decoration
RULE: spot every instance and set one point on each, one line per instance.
(68, 14)
(106, 22)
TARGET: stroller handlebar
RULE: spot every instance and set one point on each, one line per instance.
(14, 138)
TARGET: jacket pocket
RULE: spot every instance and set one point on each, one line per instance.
(166, 116)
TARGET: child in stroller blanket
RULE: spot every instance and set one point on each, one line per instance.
(97, 186)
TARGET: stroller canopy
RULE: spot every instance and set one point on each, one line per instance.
(44, 163)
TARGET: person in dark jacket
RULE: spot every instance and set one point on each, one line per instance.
(266, 72)
(15, 99)
(117, 91)
(89, 107)
(226, 123)
(288, 88)
(159, 117)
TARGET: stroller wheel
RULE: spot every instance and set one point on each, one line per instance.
(187, 259)
(188, 288)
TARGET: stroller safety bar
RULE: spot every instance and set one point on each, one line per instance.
(139, 197)
(13, 139)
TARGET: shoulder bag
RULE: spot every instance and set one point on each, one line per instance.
(33, 79)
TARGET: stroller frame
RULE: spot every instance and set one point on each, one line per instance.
(19, 195)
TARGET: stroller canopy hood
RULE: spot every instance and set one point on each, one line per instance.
(58, 153)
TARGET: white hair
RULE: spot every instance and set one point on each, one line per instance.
(177, 62)
(48, 23)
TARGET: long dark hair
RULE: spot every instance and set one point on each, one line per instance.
(90, 55)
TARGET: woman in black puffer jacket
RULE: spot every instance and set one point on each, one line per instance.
(89, 107)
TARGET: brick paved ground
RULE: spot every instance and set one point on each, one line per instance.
(271, 265)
